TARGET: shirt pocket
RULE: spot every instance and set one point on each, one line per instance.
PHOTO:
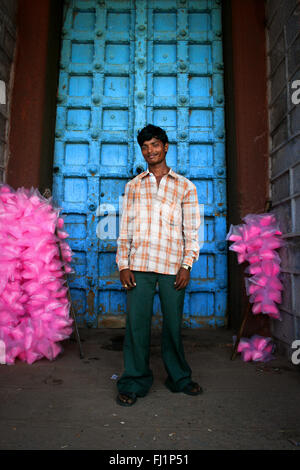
(171, 218)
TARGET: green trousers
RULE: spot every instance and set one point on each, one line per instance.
(137, 377)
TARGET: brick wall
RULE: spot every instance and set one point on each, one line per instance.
(283, 48)
(8, 12)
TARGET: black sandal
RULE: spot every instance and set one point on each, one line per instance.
(190, 389)
(130, 399)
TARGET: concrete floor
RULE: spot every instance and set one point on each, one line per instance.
(70, 403)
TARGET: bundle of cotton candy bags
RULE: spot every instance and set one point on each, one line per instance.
(257, 348)
(256, 241)
(34, 306)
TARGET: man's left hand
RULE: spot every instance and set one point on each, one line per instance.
(182, 279)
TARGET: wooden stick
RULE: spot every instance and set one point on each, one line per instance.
(247, 313)
(47, 194)
(71, 305)
(268, 207)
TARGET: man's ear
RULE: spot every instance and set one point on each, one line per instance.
(166, 147)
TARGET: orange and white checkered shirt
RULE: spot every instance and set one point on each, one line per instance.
(159, 225)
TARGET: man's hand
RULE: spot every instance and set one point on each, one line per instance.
(127, 279)
(182, 279)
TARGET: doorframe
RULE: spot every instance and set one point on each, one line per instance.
(247, 137)
(33, 112)
(33, 107)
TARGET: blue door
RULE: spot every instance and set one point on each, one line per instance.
(125, 64)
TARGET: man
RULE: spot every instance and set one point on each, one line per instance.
(158, 243)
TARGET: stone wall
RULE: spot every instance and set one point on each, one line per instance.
(8, 13)
(283, 49)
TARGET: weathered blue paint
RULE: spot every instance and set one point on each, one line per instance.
(125, 64)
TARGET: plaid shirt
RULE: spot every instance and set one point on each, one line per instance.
(159, 225)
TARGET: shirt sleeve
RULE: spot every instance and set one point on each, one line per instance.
(191, 224)
(126, 230)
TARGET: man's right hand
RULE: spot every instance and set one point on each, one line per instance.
(127, 279)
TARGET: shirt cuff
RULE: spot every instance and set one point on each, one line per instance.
(188, 260)
(123, 266)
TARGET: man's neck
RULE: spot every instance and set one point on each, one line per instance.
(159, 170)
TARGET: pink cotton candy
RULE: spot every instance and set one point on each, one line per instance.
(52, 305)
(258, 296)
(254, 245)
(17, 333)
(257, 356)
(252, 289)
(260, 237)
(54, 285)
(61, 292)
(261, 279)
(243, 344)
(269, 307)
(32, 276)
(256, 348)
(62, 234)
(32, 356)
(254, 268)
(234, 233)
(259, 342)
(45, 349)
(61, 311)
(253, 258)
(239, 247)
(247, 355)
(55, 265)
(270, 268)
(275, 283)
(6, 318)
(241, 257)
(266, 254)
(251, 232)
(41, 296)
(276, 316)
(235, 238)
(267, 220)
(60, 222)
(68, 269)
(257, 308)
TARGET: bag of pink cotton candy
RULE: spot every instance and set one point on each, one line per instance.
(257, 349)
(34, 305)
(256, 242)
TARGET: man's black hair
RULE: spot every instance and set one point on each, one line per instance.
(150, 131)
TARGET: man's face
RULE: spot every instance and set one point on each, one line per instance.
(154, 151)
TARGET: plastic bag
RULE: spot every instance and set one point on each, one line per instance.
(256, 242)
(34, 305)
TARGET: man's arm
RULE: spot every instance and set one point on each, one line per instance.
(125, 236)
(190, 226)
(125, 239)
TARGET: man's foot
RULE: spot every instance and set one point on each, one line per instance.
(192, 389)
(126, 399)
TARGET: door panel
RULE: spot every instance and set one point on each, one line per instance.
(125, 64)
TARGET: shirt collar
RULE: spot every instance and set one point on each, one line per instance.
(147, 172)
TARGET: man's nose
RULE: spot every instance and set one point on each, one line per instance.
(150, 150)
